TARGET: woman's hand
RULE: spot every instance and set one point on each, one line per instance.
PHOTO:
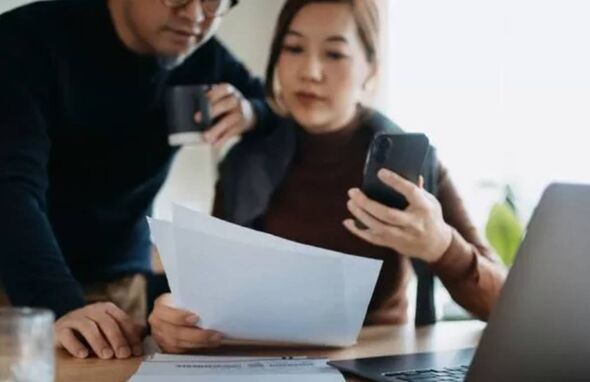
(233, 113)
(175, 330)
(419, 231)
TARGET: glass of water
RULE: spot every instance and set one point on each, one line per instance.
(26, 345)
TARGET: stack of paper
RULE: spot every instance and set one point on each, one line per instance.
(251, 285)
(229, 369)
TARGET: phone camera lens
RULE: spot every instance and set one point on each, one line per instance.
(383, 147)
(385, 143)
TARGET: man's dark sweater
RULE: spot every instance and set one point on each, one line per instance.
(83, 147)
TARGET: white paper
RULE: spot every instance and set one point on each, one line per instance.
(231, 369)
(162, 233)
(255, 286)
(251, 292)
(358, 272)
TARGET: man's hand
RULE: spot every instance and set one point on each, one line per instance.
(101, 327)
(175, 330)
(233, 113)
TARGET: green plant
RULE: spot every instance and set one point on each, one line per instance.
(504, 230)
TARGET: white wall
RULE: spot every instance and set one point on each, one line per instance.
(248, 29)
(502, 88)
(6, 5)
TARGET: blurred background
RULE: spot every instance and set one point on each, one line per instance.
(502, 88)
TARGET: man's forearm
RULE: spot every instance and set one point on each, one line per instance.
(32, 268)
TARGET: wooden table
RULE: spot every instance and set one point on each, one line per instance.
(373, 341)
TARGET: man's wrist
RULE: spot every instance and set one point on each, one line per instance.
(62, 300)
(250, 115)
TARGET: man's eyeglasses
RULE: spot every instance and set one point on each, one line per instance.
(211, 8)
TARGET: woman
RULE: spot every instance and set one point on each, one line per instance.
(299, 180)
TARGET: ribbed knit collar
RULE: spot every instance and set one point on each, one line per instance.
(331, 146)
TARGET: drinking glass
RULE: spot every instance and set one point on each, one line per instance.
(26, 345)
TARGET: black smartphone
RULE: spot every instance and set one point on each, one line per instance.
(403, 154)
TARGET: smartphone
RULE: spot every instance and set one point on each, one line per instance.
(403, 154)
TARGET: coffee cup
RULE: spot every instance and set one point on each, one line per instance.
(182, 103)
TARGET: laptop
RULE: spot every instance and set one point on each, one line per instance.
(539, 329)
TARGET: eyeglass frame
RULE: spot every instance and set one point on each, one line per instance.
(183, 3)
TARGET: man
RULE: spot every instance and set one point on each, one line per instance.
(83, 150)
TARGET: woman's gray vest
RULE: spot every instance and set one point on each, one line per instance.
(255, 167)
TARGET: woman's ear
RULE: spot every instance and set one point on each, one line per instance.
(370, 82)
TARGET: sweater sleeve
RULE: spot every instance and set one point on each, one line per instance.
(32, 269)
(470, 271)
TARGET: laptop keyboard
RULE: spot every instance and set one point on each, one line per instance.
(447, 374)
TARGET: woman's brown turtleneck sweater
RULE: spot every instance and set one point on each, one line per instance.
(310, 205)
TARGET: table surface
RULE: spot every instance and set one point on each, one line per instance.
(373, 341)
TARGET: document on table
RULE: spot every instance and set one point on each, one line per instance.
(230, 369)
(251, 285)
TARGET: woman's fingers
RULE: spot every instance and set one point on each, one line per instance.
(419, 231)
(389, 238)
(413, 194)
(392, 216)
(372, 223)
(175, 329)
(196, 338)
(165, 310)
(170, 336)
(175, 316)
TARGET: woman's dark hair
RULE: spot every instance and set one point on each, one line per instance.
(365, 14)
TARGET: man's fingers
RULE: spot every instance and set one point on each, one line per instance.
(229, 134)
(220, 128)
(114, 335)
(131, 330)
(71, 343)
(91, 333)
(224, 105)
(220, 91)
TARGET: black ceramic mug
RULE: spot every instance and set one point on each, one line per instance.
(182, 103)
